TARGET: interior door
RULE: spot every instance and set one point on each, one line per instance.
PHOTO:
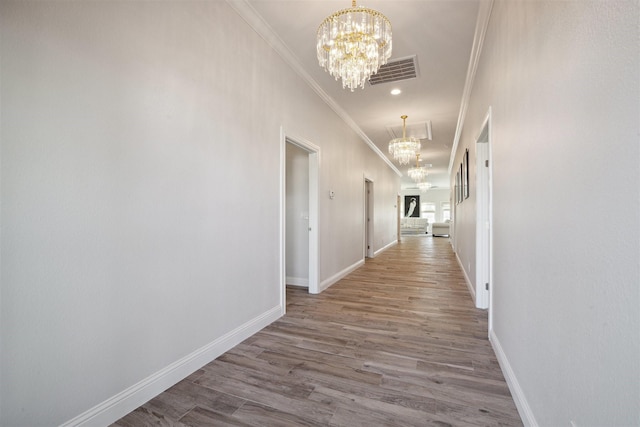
(483, 220)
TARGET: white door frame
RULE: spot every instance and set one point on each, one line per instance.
(484, 248)
(314, 166)
(368, 218)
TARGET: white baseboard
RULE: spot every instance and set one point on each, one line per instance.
(333, 279)
(512, 382)
(379, 251)
(131, 398)
(298, 281)
(472, 289)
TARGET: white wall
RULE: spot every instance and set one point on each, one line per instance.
(562, 79)
(297, 204)
(135, 245)
(350, 164)
(385, 215)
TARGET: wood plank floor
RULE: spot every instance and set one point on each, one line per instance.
(396, 343)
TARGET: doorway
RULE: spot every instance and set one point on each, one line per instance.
(299, 214)
(368, 218)
(484, 218)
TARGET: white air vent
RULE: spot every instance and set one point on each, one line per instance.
(399, 69)
(421, 130)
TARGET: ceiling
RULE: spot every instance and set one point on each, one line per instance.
(439, 32)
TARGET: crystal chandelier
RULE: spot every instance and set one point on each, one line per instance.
(419, 173)
(404, 149)
(424, 186)
(353, 43)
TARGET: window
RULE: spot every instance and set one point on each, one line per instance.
(428, 210)
(446, 211)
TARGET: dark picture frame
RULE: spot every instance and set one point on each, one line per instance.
(457, 189)
(412, 213)
(465, 175)
(461, 183)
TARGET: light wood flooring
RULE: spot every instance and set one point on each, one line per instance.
(396, 343)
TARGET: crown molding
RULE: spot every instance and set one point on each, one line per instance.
(484, 14)
(260, 26)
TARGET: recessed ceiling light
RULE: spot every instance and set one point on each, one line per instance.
(396, 91)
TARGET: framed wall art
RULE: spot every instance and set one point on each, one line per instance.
(412, 206)
(465, 175)
(457, 189)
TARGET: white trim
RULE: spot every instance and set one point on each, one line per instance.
(255, 21)
(283, 220)
(131, 398)
(472, 290)
(339, 275)
(379, 251)
(517, 393)
(298, 281)
(484, 13)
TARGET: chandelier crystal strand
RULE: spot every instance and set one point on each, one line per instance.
(353, 43)
(406, 148)
(418, 173)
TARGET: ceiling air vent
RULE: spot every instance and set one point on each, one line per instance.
(400, 69)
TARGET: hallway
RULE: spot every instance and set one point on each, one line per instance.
(396, 343)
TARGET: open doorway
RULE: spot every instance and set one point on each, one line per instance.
(483, 220)
(368, 218)
(299, 214)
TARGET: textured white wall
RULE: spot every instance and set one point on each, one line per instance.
(562, 79)
(131, 235)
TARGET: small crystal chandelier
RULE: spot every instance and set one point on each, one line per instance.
(406, 148)
(353, 43)
(419, 173)
(424, 186)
